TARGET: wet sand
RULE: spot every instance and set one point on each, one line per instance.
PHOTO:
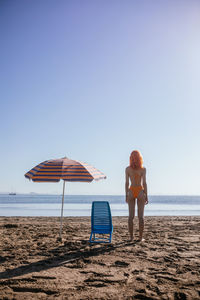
(34, 265)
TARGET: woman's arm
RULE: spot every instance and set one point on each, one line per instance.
(145, 185)
(126, 184)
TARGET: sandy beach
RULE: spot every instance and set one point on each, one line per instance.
(34, 265)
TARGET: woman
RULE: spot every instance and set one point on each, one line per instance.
(136, 174)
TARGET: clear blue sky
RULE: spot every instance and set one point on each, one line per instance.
(93, 80)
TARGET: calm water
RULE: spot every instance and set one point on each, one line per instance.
(50, 205)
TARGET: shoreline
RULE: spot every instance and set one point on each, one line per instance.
(34, 265)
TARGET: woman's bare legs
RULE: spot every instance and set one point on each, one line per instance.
(140, 205)
(131, 206)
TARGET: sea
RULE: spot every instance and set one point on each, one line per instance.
(80, 205)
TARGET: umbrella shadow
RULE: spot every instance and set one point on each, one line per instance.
(63, 256)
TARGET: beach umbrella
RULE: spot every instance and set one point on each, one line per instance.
(67, 169)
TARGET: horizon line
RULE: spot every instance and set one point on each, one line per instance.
(58, 194)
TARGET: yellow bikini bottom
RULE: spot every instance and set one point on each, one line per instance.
(136, 190)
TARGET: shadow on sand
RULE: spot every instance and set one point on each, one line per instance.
(63, 255)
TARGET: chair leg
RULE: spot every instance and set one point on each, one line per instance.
(110, 237)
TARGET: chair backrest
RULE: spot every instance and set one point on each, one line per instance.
(101, 219)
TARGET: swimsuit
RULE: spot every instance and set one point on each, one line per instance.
(138, 188)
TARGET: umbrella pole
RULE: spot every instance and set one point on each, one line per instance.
(61, 219)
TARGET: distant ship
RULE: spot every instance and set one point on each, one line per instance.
(12, 194)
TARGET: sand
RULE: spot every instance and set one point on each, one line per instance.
(34, 265)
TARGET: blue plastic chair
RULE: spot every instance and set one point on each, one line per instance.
(101, 222)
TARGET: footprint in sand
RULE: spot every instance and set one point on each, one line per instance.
(100, 263)
(143, 297)
(165, 277)
(100, 282)
(140, 279)
(168, 259)
(135, 272)
(32, 290)
(180, 296)
(10, 226)
(96, 274)
(120, 263)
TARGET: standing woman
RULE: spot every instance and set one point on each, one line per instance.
(136, 175)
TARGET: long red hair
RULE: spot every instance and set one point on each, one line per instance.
(136, 160)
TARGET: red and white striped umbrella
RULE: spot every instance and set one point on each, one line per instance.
(64, 168)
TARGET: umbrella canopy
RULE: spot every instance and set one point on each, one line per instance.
(64, 168)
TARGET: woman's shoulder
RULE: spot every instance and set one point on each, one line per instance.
(128, 168)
